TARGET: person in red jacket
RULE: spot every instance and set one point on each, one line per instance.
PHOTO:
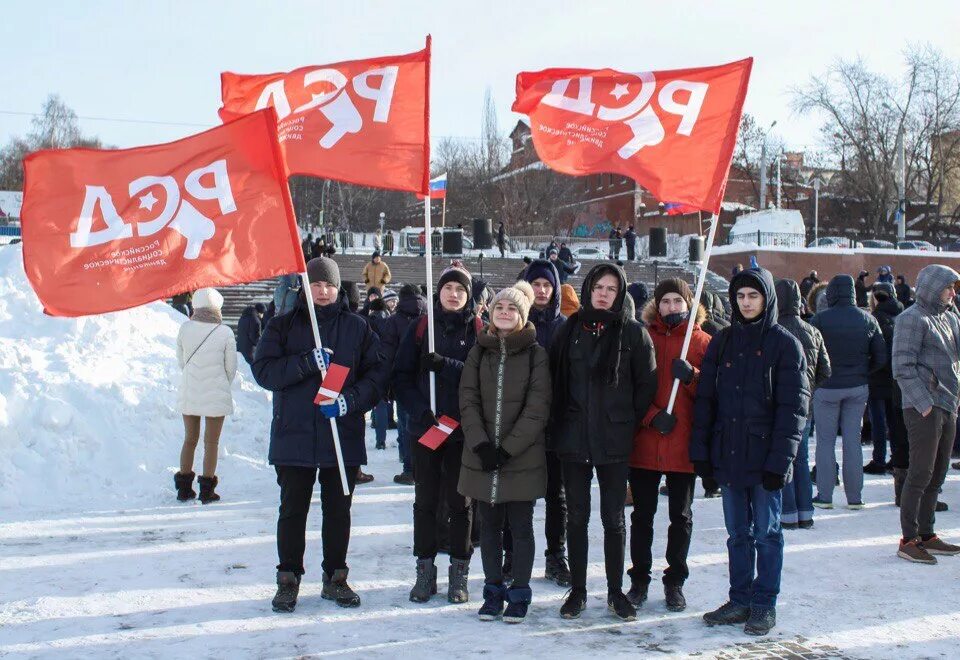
(662, 443)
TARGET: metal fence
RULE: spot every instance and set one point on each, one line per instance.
(768, 239)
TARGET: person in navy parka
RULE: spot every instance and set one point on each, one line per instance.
(287, 362)
(749, 415)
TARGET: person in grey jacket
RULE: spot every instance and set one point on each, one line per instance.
(856, 348)
(926, 365)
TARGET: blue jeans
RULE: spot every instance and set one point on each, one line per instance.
(798, 494)
(381, 418)
(755, 544)
(403, 440)
(878, 429)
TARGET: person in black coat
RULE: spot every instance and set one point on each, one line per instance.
(749, 414)
(564, 269)
(565, 254)
(886, 419)
(638, 291)
(808, 283)
(630, 238)
(288, 363)
(904, 293)
(249, 328)
(455, 330)
(604, 379)
(861, 288)
(502, 239)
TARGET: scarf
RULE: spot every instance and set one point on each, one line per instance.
(207, 315)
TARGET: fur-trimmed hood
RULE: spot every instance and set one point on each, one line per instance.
(650, 316)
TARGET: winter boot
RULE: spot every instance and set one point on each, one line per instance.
(363, 477)
(457, 585)
(638, 593)
(673, 594)
(575, 604)
(761, 621)
(518, 600)
(875, 468)
(288, 586)
(404, 479)
(914, 551)
(621, 607)
(184, 485)
(493, 596)
(899, 477)
(557, 570)
(335, 588)
(507, 567)
(207, 484)
(727, 614)
(426, 584)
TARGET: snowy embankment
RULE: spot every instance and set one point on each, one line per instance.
(87, 405)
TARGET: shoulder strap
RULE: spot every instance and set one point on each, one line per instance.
(201, 344)
(421, 328)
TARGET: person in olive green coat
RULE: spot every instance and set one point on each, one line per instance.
(505, 394)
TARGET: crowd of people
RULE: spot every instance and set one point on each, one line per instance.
(549, 389)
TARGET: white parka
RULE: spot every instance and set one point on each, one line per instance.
(205, 382)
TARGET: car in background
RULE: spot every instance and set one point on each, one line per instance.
(877, 244)
(587, 252)
(834, 241)
(953, 246)
(925, 246)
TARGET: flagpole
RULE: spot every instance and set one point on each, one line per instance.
(305, 280)
(691, 321)
(428, 254)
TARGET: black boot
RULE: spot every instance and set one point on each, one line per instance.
(638, 593)
(288, 586)
(184, 485)
(761, 621)
(575, 604)
(557, 570)
(727, 614)
(457, 586)
(207, 484)
(673, 593)
(622, 608)
(426, 584)
(335, 588)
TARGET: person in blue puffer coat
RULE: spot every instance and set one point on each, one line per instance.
(287, 362)
(749, 415)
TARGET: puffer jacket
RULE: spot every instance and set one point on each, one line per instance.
(505, 399)
(881, 380)
(249, 328)
(207, 354)
(852, 336)
(376, 275)
(671, 452)
(926, 345)
(814, 349)
(753, 394)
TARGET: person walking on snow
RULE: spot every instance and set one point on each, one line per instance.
(505, 405)
(207, 356)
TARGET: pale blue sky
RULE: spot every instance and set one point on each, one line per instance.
(161, 60)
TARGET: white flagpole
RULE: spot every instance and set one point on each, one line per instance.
(715, 220)
(305, 280)
(428, 255)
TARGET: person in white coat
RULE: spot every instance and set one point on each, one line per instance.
(207, 354)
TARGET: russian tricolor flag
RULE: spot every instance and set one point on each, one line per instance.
(438, 188)
(675, 208)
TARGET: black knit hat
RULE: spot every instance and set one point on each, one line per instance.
(324, 269)
(456, 272)
(673, 285)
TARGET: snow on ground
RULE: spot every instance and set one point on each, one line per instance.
(97, 559)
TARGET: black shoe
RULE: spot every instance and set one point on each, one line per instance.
(575, 604)
(288, 586)
(673, 593)
(621, 607)
(335, 588)
(727, 614)
(404, 479)
(363, 477)
(507, 567)
(492, 608)
(761, 621)
(789, 525)
(557, 570)
(875, 468)
(207, 494)
(381, 445)
(942, 506)
(805, 524)
(518, 600)
(457, 586)
(638, 593)
(184, 485)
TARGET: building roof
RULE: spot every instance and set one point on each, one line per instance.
(10, 203)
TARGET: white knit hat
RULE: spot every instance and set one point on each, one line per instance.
(521, 295)
(209, 298)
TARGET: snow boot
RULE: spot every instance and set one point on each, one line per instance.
(899, 477)
(575, 604)
(638, 593)
(404, 479)
(335, 588)
(727, 614)
(518, 600)
(184, 485)
(507, 569)
(426, 584)
(557, 570)
(288, 586)
(207, 494)
(622, 608)
(493, 596)
(673, 594)
(761, 621)
(457, 585)
(875, 468)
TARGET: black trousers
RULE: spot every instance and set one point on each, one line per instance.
(296, 490)
(645, 486)
(555, 523)
(899, 441)
(429, 466)
(577, 478)
(493, 518)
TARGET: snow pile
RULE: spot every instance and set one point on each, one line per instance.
(88, 405)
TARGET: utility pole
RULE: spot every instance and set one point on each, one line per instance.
(816, 210)
(779, 180)
(763, 167)
(902, 201)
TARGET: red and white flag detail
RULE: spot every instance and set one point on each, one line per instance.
(674, 132)
(109, 230)
(437, 435)
(362, 122)
(333, 383)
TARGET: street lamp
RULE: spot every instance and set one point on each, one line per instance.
(763, 167)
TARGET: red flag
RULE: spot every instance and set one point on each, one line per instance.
(672, 131)
(363, 122)
(109, 230)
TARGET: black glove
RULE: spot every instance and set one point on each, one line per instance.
(431, 362)
(489, 456)
(703, 469)
(773, 482)
(663, 422)
(428, 419)
(683, 370)
(503, 455)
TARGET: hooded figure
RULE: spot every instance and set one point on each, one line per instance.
(748, 419)
(885, 417)
(638, 291)
(904, 293)
(569, 300)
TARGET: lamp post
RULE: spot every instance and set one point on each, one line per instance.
(763, 167)
(816, 210)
